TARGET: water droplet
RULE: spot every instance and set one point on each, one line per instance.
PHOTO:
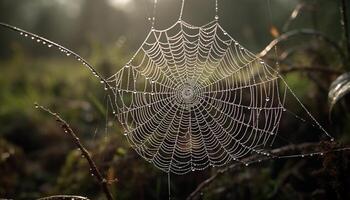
(50, 45)
(216, 17)
(44, 42)
(106, 88)
(149, 19)
(321, 154)
(246, 164)
(134, 92)
(25, 35)
(38, 40)
(267, 99)
(32, 38)
(36, 107)
(92, 174)
(152, 82)
(332, 139)
(127, 66)
(284, 110)
(114, 112)
(21, 33)
(101, 81)
(125, 134)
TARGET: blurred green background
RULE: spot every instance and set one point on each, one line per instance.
(37, 159)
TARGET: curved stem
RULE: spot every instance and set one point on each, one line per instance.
(62, 49)
(288, 35)
(255, 159)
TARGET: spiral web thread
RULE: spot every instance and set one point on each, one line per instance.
(193, 97)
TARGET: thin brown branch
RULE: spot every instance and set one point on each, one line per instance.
(311, 69)
(278, 154)
(85, 153)
(294, 33)
(293, 15)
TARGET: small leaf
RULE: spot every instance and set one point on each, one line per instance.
(339, 88)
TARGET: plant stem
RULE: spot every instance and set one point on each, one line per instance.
(94, 170)
(306, 32)
(345, 25)
(255, 159)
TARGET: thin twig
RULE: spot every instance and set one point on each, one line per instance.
(293, 16)
(85, 153)
(255, 159)
(46, 42)
(345, 25)
(294, 33)
(315, 69)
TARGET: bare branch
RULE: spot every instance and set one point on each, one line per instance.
(62, 49)
(255, 159)
(294, 33)
(85, 153)
(293, 16)
(309, 69)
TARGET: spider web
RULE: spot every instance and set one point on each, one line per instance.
(193, 97)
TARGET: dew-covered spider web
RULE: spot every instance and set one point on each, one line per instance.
(193, 97)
